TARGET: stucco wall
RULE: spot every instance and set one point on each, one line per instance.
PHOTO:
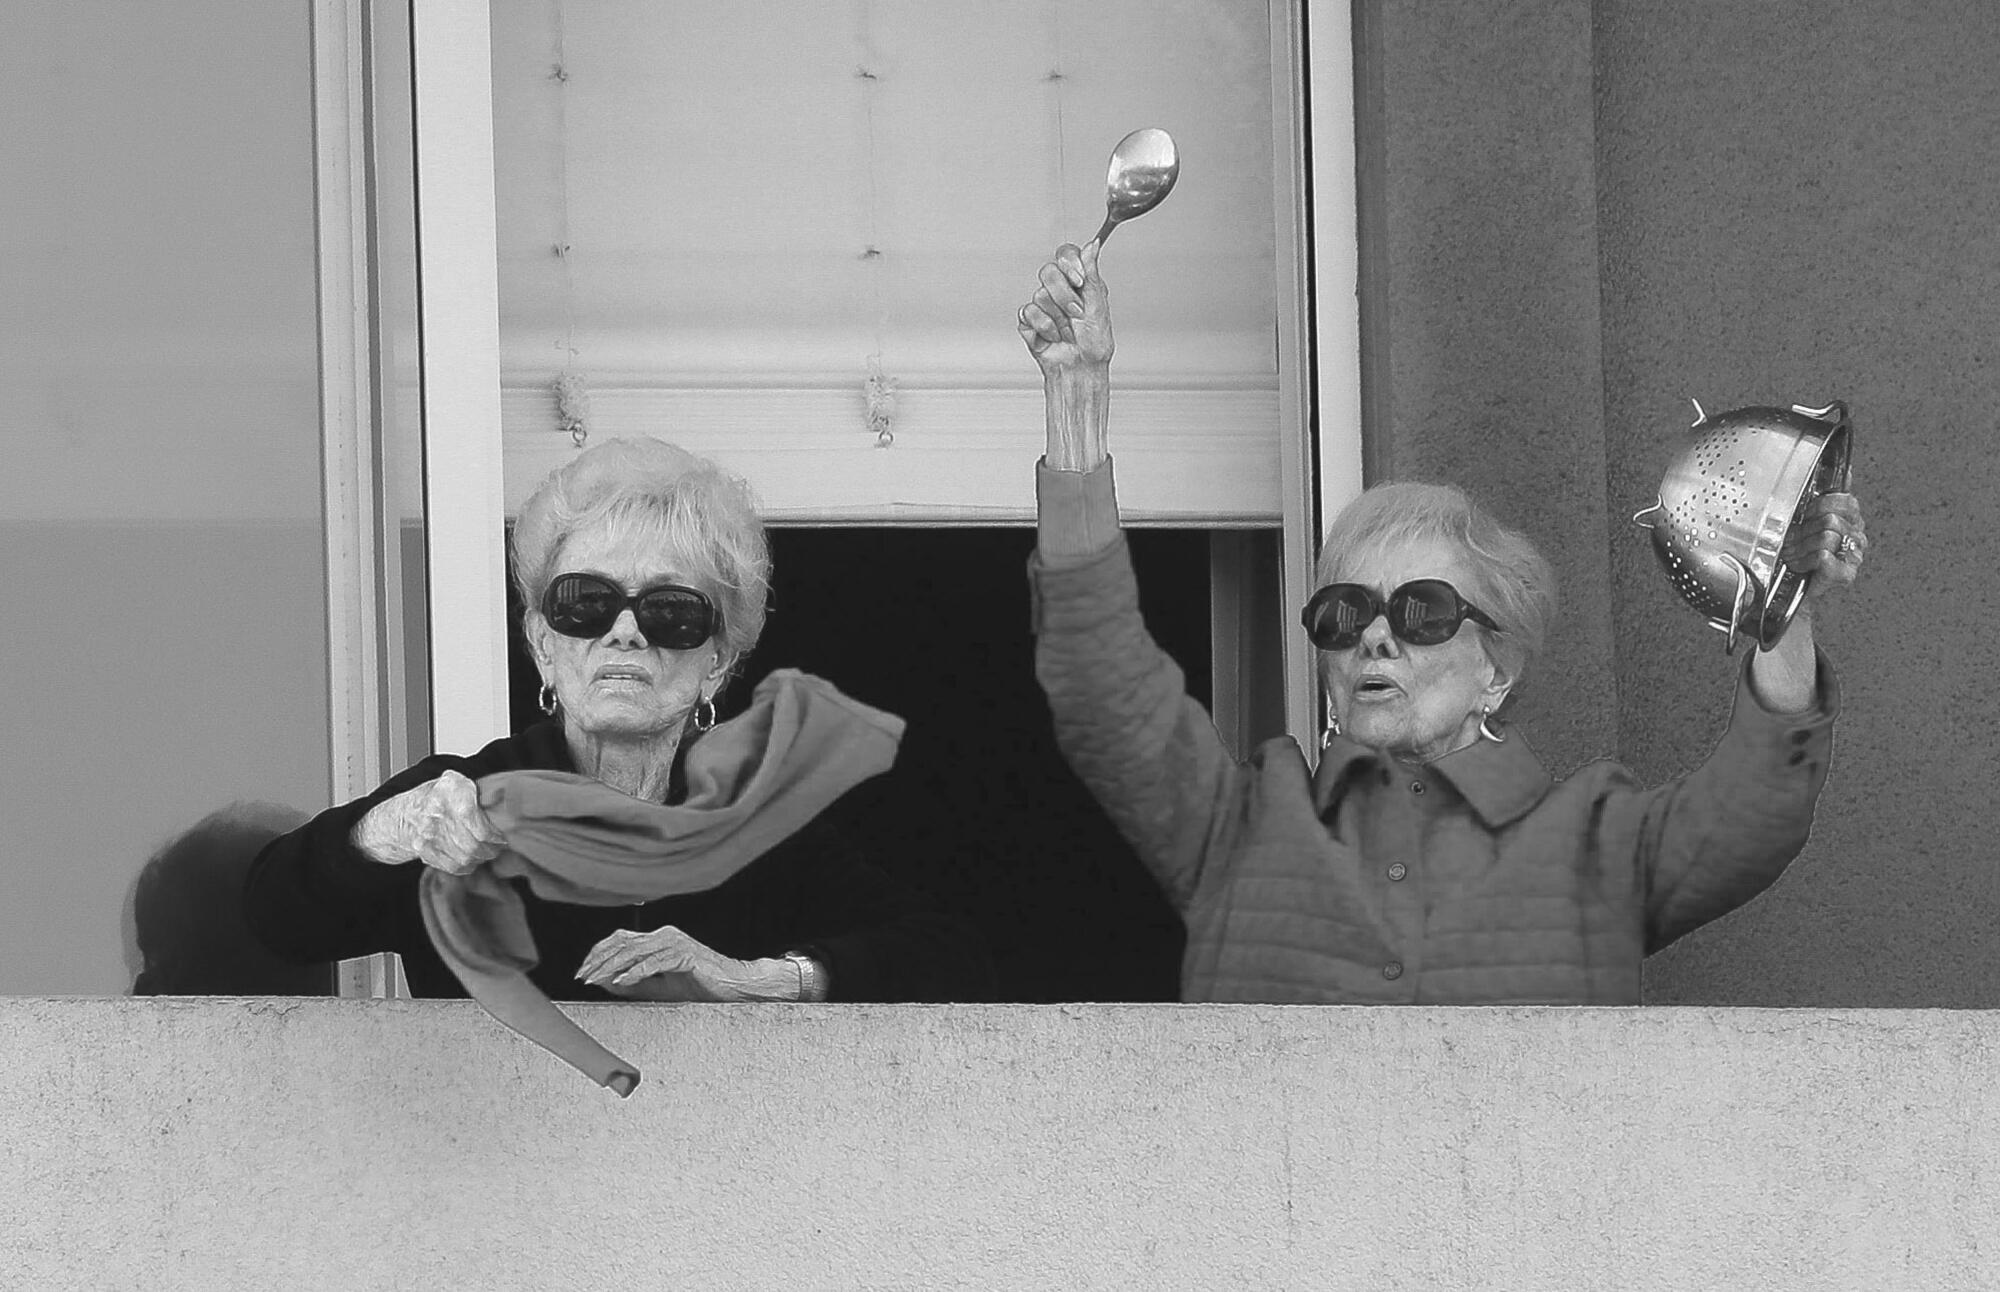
(1482, 336)
(1591, 212)
(352, 1144)
(1797, 202)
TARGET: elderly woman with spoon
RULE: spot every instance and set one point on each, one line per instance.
(1429, 858)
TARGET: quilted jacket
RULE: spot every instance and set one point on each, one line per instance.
(1475, 879)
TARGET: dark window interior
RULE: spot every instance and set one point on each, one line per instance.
(980, 811)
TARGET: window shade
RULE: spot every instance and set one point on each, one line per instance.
(719, 219)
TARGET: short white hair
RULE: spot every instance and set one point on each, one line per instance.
(649, 493)
(1512, 581)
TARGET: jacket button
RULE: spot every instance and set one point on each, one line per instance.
(1397, 870)
(1393, 970)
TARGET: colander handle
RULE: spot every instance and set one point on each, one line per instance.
(1658, 506)
(1835, 413)
(1746, 587)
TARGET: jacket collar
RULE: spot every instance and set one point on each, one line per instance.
(1501, 782)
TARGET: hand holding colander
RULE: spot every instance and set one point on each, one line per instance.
(1741, 483)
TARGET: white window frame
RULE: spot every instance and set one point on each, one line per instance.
(340, 142)
(1319, 390)
(360, 637)
(1313, 134)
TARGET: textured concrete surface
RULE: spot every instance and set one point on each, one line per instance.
(1798, 203)
(1793, 201)
(1484, 360)
(351, 1144)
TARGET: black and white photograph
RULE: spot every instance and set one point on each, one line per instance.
(1000, 644)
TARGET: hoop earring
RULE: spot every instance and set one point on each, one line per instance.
(1486, 727)
(1331, 725)
(704, 715)
(548, 699)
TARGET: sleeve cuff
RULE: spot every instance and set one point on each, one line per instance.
(1826, 696)
(1076, 513)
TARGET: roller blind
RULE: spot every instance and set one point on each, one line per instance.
(719, 222)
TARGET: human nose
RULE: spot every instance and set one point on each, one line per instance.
(1376, 639)
(625, 630)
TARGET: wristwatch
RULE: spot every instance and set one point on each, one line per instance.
(812, 976)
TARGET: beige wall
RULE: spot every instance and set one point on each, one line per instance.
(352, 1144)
(1579, 215)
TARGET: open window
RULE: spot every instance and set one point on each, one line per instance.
(792, 237)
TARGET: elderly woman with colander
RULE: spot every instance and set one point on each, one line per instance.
(1429, 858)
(644, 570)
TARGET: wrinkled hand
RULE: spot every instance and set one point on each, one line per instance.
(1828, 544)
(1067, 323)
(439, 823)
(665, 964)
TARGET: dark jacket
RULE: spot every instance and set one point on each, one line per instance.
(312, 896)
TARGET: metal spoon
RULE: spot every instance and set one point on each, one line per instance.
(1144, 167)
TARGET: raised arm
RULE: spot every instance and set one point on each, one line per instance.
(1713, 839)
(1149, 754)
(1723, 833)
(1067, 327)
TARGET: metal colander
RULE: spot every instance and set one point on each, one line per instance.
(1730, 496)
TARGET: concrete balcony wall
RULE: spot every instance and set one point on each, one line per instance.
(412, 1145)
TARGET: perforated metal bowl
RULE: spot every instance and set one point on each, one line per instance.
(1733, 491)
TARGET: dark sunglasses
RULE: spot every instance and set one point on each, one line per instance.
(669, 615)
(1423, 612)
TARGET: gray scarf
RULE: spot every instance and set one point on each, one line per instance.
(751, 782)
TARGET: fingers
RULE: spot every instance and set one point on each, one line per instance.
(1832, 523)
(1845, 505)
(453, 833)
(1848, 545)
(615, 947)
(1060, 289)
(1068, 317)
(1825, 569)
(1828, 545)
(462, 798)
(628, 955)
(1076, 265)
(1823, 565)
(1040, 327)
(671, 960)
(1052, 311)
(1056, 300)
